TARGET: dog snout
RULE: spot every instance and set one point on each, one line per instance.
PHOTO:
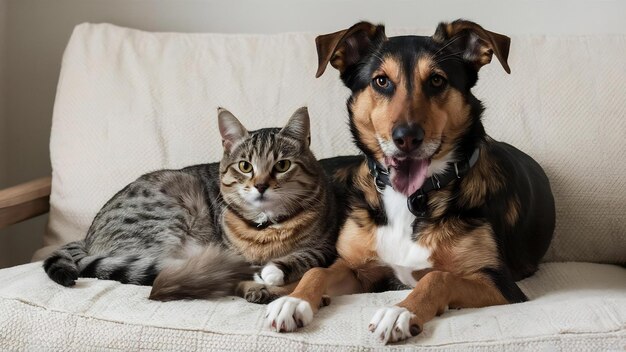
(407, 137)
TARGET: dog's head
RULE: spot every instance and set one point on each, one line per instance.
(411, 106)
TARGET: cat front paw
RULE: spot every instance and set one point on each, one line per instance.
(258, 294)
(271, 275)
(288, 313)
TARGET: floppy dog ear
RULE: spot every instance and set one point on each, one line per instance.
(478, 43)
(345, 48)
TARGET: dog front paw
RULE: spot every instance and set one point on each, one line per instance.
(288, 313)
(271, 275)
(393, 324)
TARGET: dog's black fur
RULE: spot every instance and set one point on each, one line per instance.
(466, 236)
(521, 245)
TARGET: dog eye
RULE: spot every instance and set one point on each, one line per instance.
(437, 81)
(382, 84)
(282, 166)
(245, 167)
(382, 81)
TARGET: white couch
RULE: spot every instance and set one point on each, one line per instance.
(129, 102)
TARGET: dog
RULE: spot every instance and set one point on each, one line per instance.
(435, 201)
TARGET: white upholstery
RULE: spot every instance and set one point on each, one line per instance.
(573, 307)
(129, 102)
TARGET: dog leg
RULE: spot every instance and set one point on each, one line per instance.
(436, 291)
(296, 310)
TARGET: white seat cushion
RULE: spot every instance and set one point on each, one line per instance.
(573, 306)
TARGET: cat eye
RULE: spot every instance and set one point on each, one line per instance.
(282, 165)
(245, 167)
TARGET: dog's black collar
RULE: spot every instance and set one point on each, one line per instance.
(380, 174)
(418, 201)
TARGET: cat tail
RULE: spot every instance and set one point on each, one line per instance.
(127, 269)
(72, 261)
(214, 272)
(61, 265)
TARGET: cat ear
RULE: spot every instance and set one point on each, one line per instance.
(299, 126)
(231, 129)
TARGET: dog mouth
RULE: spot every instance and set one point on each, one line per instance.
(407, 175)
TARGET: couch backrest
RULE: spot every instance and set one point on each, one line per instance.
(129, 102)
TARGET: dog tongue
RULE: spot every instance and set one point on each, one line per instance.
(407, 175)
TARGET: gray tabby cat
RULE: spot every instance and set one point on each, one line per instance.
(200, 230)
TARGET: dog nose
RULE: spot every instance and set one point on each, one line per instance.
(407, 137)
(262, 187)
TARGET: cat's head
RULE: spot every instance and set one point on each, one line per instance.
(271, 173)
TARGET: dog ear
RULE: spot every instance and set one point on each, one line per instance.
(478, 43)
(345, 48)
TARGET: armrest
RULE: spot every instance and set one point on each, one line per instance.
(24, 201)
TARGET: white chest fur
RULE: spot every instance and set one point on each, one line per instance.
(393, 241)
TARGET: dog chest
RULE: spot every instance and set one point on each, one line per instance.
(394, 243)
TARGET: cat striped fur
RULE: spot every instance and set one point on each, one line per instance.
(198, 232)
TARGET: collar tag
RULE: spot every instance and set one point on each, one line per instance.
(418, 203)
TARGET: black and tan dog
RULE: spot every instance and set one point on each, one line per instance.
(437, 202)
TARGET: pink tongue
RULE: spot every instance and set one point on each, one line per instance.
(407, 176)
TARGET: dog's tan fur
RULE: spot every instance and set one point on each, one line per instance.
(459, 250)
(484, 176)
(453, 281)
(438, 290)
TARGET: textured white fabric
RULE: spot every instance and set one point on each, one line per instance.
(129, 102)
(573, 307)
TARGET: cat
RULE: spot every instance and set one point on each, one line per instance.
(201, 231)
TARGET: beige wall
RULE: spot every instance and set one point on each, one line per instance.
(33, 34)
(3, 137)
(4, 241)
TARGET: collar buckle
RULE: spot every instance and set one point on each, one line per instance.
(380, 175)
(435, 181)
(380, 186)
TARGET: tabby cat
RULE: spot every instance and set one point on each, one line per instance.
(200, 231)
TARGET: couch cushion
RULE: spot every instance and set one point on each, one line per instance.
(574, 306)
(129, 102)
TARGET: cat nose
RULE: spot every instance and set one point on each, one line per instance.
(407, 137)
(261, 187)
